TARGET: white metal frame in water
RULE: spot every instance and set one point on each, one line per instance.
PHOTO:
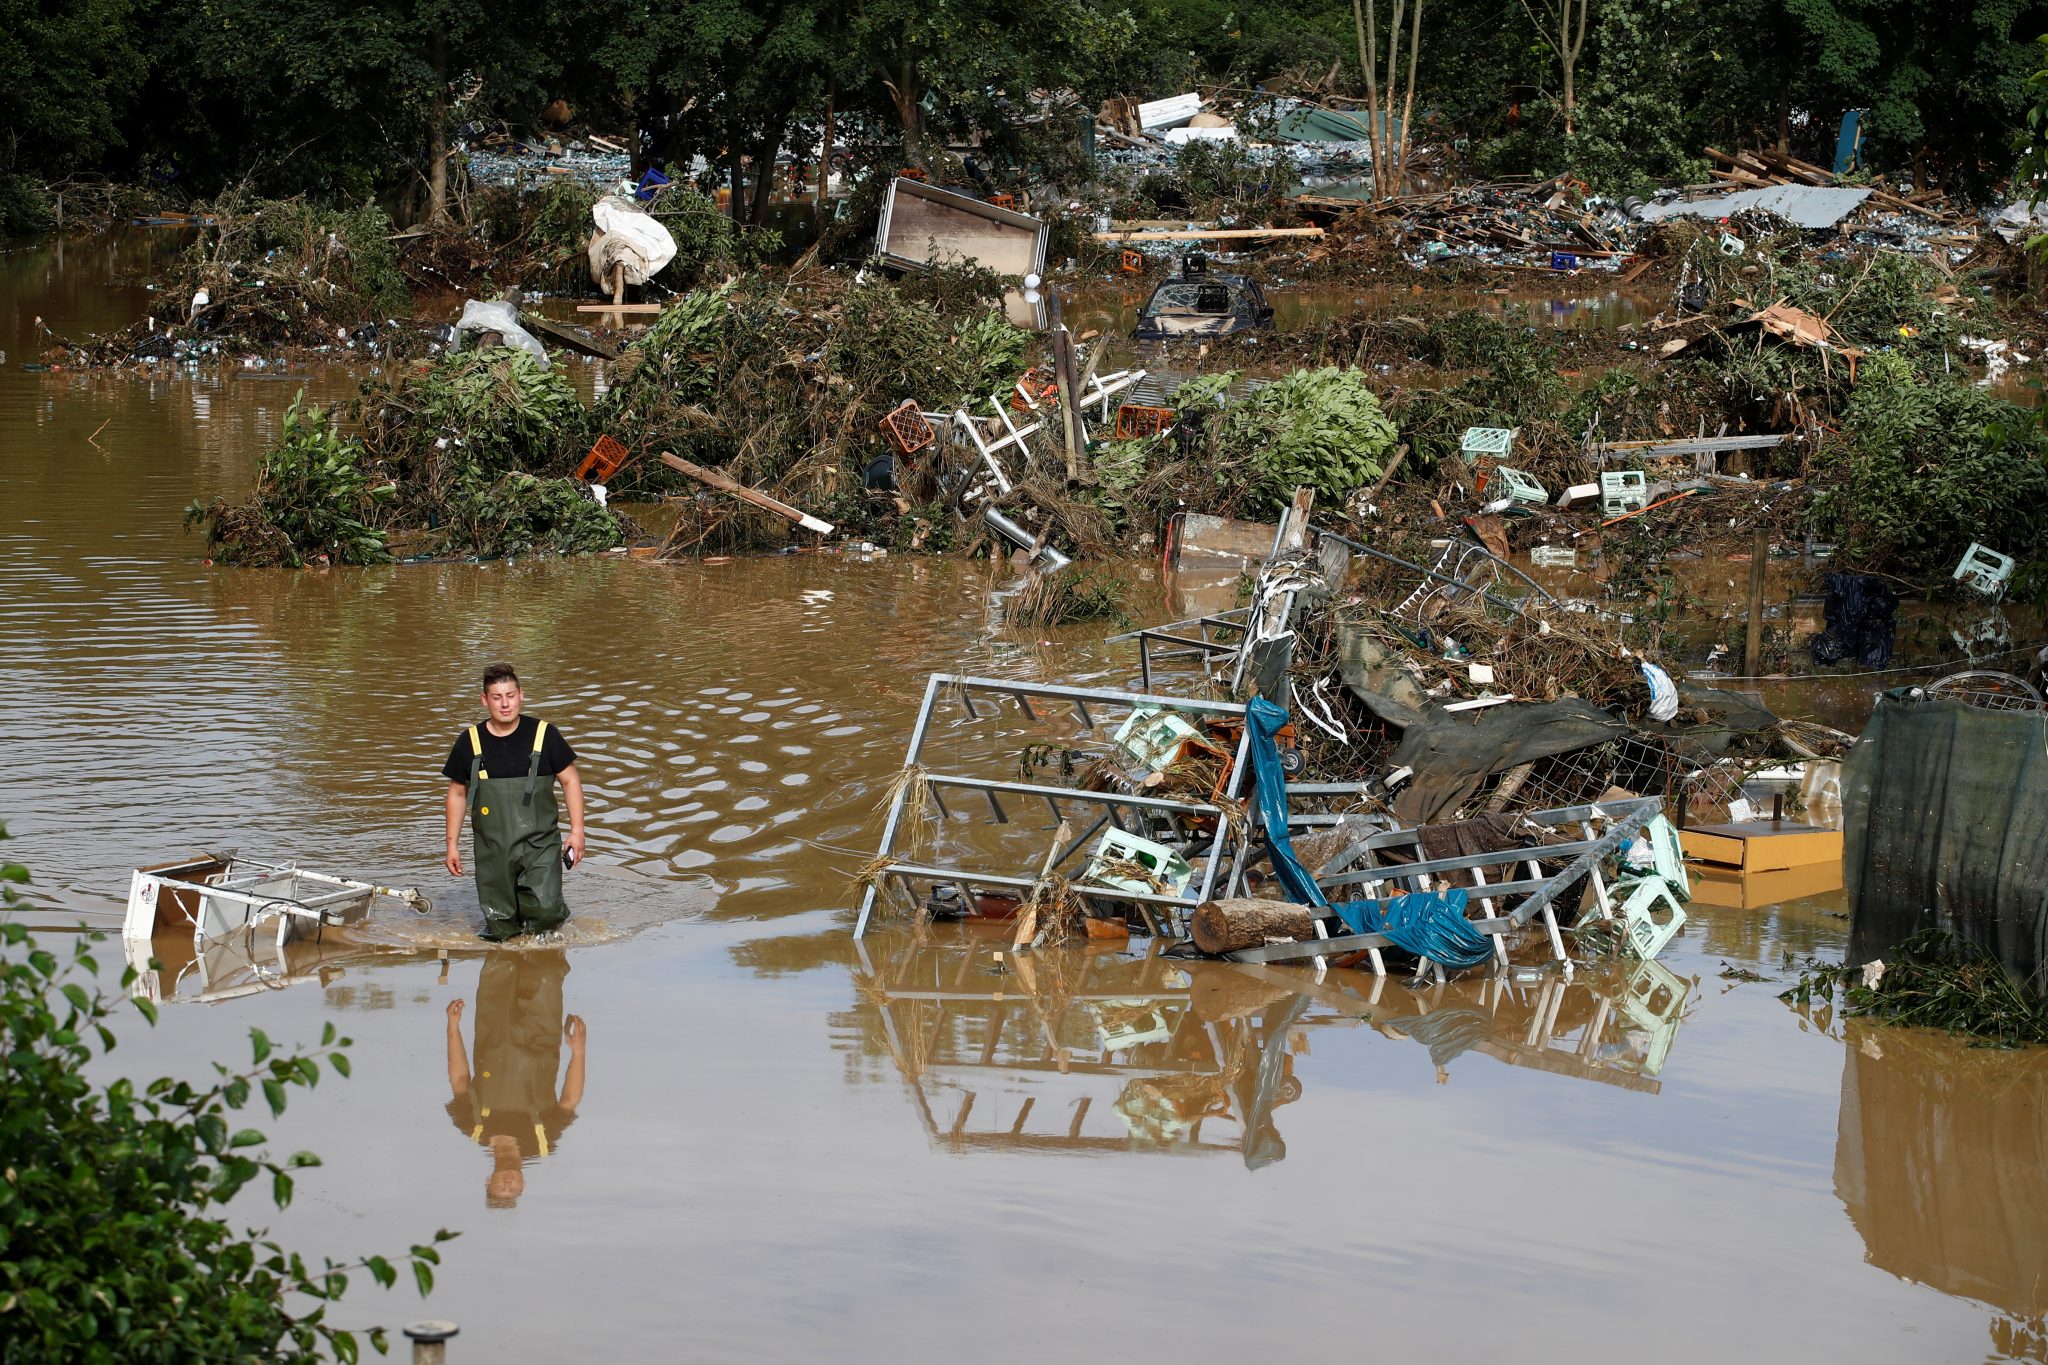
(245, 896)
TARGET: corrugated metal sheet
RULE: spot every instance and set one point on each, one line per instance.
(1809, 206)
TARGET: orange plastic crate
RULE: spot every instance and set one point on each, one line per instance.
(1133, 419)
(906, 428)
(1031, 390)
(605, 459)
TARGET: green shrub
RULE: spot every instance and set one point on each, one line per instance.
(1928, 465)
(113, 1239)
(1319, 428)
(313, 497)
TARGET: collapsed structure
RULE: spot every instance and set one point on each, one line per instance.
(1351, 807)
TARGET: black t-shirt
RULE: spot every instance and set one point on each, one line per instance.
(507, 756)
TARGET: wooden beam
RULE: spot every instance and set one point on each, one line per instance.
(1206, 234)
(711, 478)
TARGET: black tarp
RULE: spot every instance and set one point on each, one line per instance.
(1945, 822)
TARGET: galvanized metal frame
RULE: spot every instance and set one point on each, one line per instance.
(1225, 843)
(1536, 890)
(1184, 637)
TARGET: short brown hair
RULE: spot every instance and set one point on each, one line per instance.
(498, 673)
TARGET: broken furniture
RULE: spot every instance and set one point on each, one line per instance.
(215, 897)
(1984, 570)
(923, 226)
(1205, 833)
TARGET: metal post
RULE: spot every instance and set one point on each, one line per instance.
(924, 716)
(430, 1341)
(1753, 644)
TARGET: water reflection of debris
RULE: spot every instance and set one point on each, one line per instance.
(1097, 1050)
(1941, 1162)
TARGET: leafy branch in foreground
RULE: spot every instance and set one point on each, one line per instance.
(1934, 979)
(112, 1246)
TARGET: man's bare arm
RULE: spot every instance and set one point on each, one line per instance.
(572, 1079)
(458, 1060)
(572, 790)
(457, 799)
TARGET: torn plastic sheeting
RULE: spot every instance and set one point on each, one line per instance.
(1452, 752)
(502, 318)
(1431, 925)
(628, 237)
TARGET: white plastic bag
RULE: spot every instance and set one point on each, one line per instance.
(629, 237)
(1663, 693)
(502, 318)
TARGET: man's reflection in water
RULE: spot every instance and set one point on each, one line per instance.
(509, 1104)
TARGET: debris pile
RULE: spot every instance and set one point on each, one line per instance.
(468, 455)
(264, 275)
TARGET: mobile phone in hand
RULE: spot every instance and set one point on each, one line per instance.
(568, 857)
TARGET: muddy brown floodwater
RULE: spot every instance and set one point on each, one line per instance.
(787, 1147)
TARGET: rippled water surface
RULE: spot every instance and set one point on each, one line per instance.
(751, 1139)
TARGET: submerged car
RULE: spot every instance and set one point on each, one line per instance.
(1198, 304)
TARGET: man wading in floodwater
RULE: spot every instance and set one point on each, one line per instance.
(505, 771)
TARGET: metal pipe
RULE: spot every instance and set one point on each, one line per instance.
(1045, 555)
(430, 1341)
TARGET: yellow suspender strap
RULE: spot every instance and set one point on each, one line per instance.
(540, 732)
(476, 753)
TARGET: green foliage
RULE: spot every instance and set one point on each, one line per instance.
(521, 514)
(1635, 130)
(113, 1239)
(1928, 465)
(708, 242)
(339, 260)
(496, 408)
(1934, 979)
(313, 497)
(1319, 428)
(892, 345)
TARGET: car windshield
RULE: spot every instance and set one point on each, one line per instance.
(1190, 299)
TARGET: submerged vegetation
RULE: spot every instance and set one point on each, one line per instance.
(1935, 979)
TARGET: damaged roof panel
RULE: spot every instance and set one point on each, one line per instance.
(1807, 206)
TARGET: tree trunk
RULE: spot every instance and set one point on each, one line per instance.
(903, 95)
(1228, 925)
(1408, 106)
(735, 178)
(764, 173)
(1363, 17)
(437, 140)
(1785, 115)
(1569, 102)
(825, 146)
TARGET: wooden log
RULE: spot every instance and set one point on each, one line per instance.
(712, 478)
(1227, 925)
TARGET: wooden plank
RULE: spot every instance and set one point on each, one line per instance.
(1202, 235)
(618, 307)
(713, 479)
(569, 336)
